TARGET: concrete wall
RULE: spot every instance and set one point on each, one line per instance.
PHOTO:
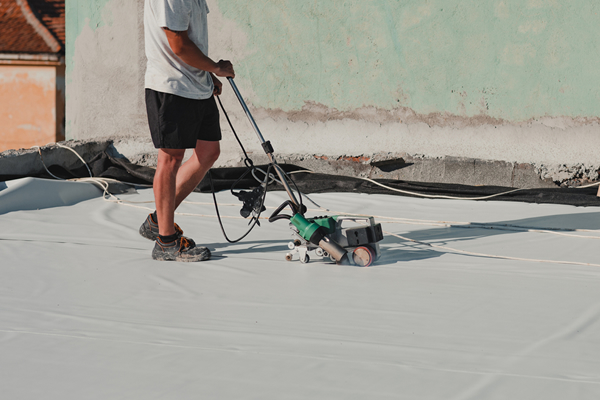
(512, 80)
(105, 69)
(31, 105)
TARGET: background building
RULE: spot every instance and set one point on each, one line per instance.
(32, 73)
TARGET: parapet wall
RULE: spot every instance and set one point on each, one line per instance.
(502, 81)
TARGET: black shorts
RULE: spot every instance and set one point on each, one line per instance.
(177, 122)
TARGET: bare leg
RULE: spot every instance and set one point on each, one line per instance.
(169, 162)
(193, 170)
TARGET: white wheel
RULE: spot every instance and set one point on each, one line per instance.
(304, 259)
(288, 257)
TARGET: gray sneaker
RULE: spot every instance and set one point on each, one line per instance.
(181, 249)
(149, 229)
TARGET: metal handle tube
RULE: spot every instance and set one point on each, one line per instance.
(278, 169)
(246, 110)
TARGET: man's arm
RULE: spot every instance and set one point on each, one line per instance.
(190, 54)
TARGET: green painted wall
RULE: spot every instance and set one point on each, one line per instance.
(78, 15)
(510, 59)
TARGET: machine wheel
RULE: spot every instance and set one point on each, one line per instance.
(363, 256)
(288, 257)
(304, 259)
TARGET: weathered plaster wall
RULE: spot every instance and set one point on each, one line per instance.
(105, 68)
(30, 107)
(511, 80)
(510, 60)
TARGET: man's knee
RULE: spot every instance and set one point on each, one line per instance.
(213, 155)
(170, 158)
(208, 153)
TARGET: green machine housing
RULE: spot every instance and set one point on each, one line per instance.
(357, 235)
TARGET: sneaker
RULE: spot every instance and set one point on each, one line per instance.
(149, 229)
(179, 250)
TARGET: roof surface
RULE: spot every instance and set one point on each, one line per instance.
(34, 26)
(87, 314)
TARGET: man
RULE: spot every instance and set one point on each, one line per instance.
(182, 113)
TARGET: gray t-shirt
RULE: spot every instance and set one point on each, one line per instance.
(165, 71)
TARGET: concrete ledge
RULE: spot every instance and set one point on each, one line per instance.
(401, 166)
(462, 171)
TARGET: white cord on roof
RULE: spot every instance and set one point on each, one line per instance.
(64, 147)
(491, 255)
(104, 185)
(587, 186)
(430, 196)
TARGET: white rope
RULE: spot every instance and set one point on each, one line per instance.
(587, 186)
(274, 178)
(449, 224)
(78, 156)
(410, 221)
(44, 164)
(428, 196)
(443, 197)
(484, 254)
(491, 255)
(501, 228)
(104, 185)
(476, 225)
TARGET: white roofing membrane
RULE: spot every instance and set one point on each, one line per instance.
(85, 313)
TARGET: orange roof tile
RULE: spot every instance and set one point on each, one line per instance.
(23, 26)
(52, 14)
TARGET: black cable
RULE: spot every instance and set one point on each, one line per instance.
(236, 136)
(248, 162)
(250, 168)
(290, 179)
(254, 223)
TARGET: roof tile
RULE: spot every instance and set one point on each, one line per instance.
(52, 14)
(18, 35)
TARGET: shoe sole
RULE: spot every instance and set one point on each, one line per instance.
(163, 256)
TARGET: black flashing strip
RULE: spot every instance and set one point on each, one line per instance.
(103, 165)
